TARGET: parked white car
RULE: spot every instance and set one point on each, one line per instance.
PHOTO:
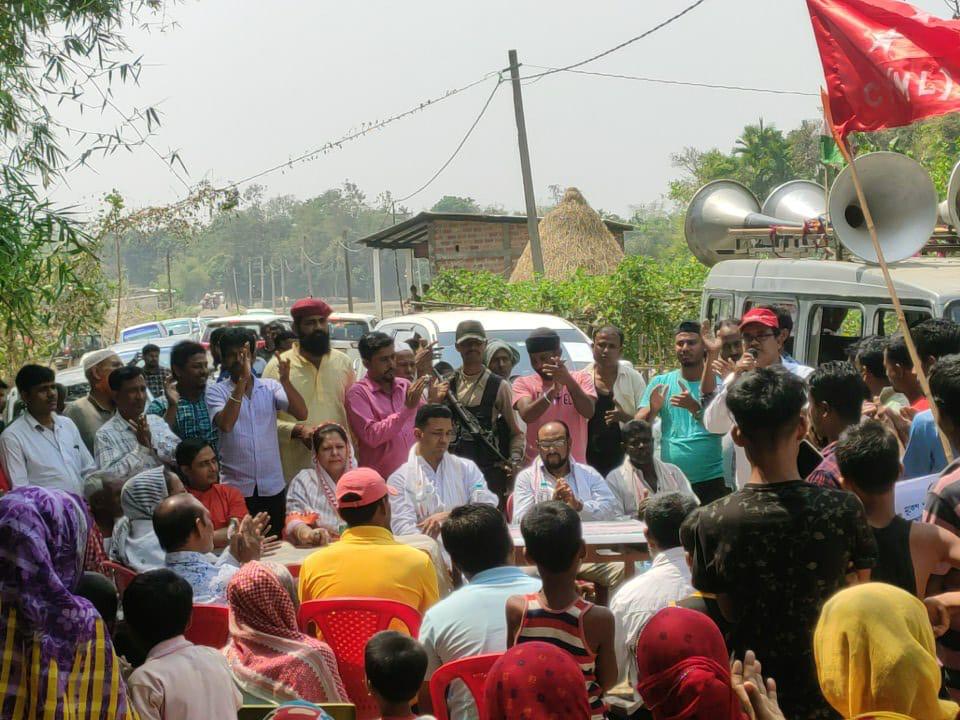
(512, 327)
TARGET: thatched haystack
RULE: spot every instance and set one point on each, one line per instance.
(572, 236)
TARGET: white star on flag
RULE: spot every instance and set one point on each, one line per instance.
(883, 40)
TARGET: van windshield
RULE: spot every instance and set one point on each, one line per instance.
(576, 351)
(953, 311)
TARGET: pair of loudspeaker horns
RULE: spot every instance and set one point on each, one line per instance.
(900, 192)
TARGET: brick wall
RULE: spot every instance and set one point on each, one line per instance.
(472, 245)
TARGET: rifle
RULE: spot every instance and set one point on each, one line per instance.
(469, 421)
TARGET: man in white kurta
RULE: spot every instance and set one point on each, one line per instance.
(555, 475)
(432, 481)
(642, 474)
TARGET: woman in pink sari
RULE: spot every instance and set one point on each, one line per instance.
(269, 656)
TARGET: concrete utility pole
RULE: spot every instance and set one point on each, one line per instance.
(533, 229)
(169, 284)
(283, 282)
(249, 282)
(273, 287)
(236, 289)
(346, 265)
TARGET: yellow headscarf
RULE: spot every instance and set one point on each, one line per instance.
(876, 656)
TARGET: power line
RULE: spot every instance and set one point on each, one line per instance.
(364, 129)
(622, 45)
(662, 81)
(459, 147)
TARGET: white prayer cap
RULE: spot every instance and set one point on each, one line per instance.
(96, 357)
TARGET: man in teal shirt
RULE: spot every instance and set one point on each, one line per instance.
(675, 398)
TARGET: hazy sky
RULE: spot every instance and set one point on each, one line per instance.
(246, 84)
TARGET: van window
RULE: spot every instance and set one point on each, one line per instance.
(788, 304)
(719, 307)
(833, 329)
(887, 323)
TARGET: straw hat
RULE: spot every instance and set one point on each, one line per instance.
(572, 236)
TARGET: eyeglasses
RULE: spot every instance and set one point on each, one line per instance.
(750, 339)
(548, 444)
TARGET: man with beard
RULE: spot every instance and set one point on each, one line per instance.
(91, 412)
(244, 408)
(487, 397)
(553, 392)
(555, 475)
(675, 398)
(320, 374)
(763, 338)
(184, 406)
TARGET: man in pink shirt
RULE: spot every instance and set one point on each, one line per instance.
(381, 407)
(553, 393)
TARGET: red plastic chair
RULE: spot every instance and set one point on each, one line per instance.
(346, 624)
(209, 625)
(120, 574)
(472, 671)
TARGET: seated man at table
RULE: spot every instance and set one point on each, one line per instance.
(642, 474)
(367, 561)
(185, 531)
(433, 481)
(666, 582)
(471, 621)
(201, 474)
(555, 475)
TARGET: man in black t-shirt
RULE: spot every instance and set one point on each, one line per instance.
(775, 550)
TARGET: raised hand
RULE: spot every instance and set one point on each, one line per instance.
(559, 372)
(170, 390)
(438, 391)
(746, 363)
(685, 400)
(283, 368)
(245, 543)
(723, 367)
(431, 525)
(758, 698)
(423, 358)
(658, 396)
(617, 415)
(713, 344)
(141, 428)
(415, 391)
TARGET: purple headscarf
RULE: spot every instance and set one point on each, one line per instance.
(43, 534)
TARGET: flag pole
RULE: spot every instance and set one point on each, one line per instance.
(885, 270)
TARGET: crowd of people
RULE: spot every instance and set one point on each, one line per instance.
(403, 485)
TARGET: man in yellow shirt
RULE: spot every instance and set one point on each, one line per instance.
(367, 561)
(320, 374)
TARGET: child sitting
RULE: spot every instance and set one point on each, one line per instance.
(395, 665)
(552, 534)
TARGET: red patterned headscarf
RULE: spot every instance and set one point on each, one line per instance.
(684, 670)
(268, 654)
(536, 681)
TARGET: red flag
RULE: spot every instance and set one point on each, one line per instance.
(886, 63)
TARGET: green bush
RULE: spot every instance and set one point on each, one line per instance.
(645, 297)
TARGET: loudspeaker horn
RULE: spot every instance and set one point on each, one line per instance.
(716, 209)
(948, 211)
(902, 199)
(796, 201)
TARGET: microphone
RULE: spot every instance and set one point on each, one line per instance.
(753, 352)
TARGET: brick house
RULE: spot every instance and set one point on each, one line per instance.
(461, 240)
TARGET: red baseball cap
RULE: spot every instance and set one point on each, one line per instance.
(366, 483)
(760, 316)
(308, 307)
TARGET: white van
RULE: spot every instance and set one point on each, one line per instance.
(833, 303)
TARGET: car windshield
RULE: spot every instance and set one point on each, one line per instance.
(178, 327)
(144, 333)
(128, 355)
(953, 311)
(348, 329)
(576, 350)
(254, 325)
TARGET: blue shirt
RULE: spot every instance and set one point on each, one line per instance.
(472, 621)
(684, 441)
(250, 453)
(924, 454)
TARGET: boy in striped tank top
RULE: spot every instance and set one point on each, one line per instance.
(553, 537)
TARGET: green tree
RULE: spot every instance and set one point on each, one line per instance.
(764, 158)
(454, 204)
(56, 57)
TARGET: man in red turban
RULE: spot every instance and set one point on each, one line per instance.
(321, 374)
